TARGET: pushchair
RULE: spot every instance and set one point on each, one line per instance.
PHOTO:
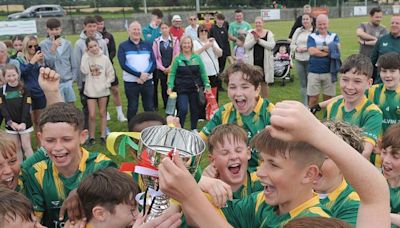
(282, 66)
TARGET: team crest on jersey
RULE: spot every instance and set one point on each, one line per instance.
(55, 203)
(385, 44)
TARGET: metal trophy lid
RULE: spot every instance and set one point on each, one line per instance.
(164, 139)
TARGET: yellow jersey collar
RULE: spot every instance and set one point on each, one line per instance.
(334, 195)
(85, 156)
(309, 203)
(361, 104)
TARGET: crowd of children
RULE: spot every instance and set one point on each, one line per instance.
(268, 165)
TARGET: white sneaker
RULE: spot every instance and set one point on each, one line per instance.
(121, 118)
(108, 116)
(195, 131)
(107, 131)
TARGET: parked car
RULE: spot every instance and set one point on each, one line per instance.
(39, 11)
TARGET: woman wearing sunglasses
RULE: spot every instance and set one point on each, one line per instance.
(209, 52)
(30, 63)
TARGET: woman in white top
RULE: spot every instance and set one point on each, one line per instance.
(299, 48)
(258, 44)
(209, 52)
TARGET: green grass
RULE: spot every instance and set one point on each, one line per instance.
(344, 27)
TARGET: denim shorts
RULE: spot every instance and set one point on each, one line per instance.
(67, 92)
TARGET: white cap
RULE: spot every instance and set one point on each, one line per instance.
(176, 18)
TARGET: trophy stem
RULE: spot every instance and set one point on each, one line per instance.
(158, 206)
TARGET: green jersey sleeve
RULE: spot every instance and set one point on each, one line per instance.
(243, 213)
(372, 126)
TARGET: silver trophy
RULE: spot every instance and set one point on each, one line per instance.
(156, 143)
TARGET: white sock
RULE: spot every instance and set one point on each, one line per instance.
(119, 110)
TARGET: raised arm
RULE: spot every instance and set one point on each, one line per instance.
(290, 120)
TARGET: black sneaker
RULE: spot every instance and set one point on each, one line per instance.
(90, 142)
(103, 141)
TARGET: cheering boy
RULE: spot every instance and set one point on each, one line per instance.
(50, 181)
(290, 121)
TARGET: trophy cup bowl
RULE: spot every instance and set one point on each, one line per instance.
(158, 142)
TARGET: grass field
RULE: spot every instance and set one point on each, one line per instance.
(344, 27)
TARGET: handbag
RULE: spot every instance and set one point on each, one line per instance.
(212, 105)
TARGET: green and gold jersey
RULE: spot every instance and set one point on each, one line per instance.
(38, 156)
(47, 188)
(253, 123)
(343, 203)
(395, 199)
(250, 185)
(388, 101)
(366, 115)
(253, 211)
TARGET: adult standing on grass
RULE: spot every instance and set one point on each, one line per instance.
(238, 27)
(112, 51)
(387, 43)
(299, 48)
(319, 46)
(137, 61)
(191, 29)
(187, 74)
(89, 31)
(258, 45)
(30, 64)
(369, 33)
(299, 20)
(209, 51)
(176, 28)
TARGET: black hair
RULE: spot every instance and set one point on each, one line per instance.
(144, 117)
(157, 12)
(375, 10)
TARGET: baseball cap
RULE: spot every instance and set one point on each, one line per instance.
(176, 18)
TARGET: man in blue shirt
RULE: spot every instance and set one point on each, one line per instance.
(137, 61)
(319, 76)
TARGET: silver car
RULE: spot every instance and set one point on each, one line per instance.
(39, 11)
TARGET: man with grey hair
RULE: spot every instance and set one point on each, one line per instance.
(320, 45)
(137, 61)
(298, 23)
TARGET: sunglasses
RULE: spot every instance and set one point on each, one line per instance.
(31, 46)
(193, 19)
(204, 30)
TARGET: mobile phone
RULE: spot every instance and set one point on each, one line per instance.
(56, 37)
(38, 49)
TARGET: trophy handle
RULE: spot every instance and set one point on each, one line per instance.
(126, 140)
